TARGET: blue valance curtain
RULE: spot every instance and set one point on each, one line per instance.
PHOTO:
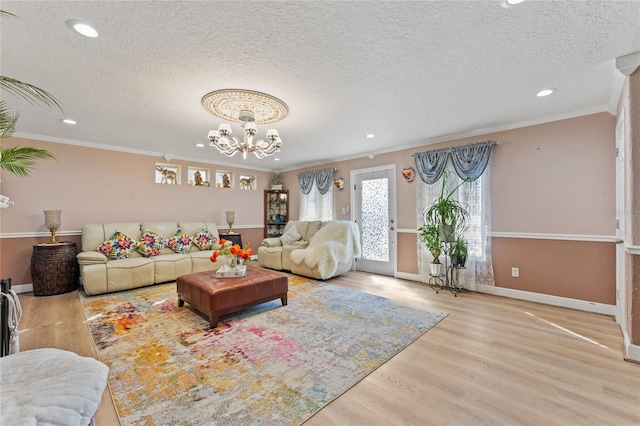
(305, 180)
(469, 161)
(322, 177)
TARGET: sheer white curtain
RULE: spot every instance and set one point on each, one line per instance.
(476, 195)
(315, 206)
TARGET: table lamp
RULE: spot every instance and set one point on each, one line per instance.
(52, 221)
(230, 218)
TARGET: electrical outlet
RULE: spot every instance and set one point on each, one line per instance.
(515, 272)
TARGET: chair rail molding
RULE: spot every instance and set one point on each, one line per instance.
(564, 237)
(79, 232)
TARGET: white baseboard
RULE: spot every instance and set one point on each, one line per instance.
(407, 276)
(547, 299)
(633, 353)
(563, 302)
(22, 288)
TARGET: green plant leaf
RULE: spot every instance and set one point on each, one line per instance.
(20, 160)
(29, 92)
(8, 120)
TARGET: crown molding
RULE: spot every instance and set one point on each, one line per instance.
(627, 64)
(164, 156)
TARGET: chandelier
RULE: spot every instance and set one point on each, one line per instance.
(248, 108)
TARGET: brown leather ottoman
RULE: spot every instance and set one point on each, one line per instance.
(219, 296)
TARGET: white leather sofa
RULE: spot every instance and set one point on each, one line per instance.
(102, 274)
(324, 249)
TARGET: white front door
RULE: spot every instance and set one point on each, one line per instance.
(374, 201)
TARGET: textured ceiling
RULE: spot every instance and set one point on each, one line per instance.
(410, 72)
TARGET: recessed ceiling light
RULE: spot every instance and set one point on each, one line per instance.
(82, 28)
(507, 4)
(371, 135)
(545, 92)
(276, 159)
(68, 121)
(200, 145)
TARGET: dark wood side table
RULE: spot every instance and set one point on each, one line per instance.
(54, 268)
(235, 238)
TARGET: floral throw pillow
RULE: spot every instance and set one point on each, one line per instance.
(204, 240)
(118, 246)
(151, 244)
(180, 242)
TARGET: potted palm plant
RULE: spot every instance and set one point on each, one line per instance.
(458, 252)
(447, 213)
(429, 236)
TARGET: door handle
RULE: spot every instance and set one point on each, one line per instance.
(619, 241)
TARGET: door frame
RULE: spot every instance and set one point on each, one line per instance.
(393, 227)
(620, 217)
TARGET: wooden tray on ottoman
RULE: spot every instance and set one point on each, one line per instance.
(219, 296)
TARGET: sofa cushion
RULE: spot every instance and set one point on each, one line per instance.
(301, 226)
(306, 228)
(203, 239)
(151, 244)
(190, 228)
(271, 242)
(128, 273)
(290, 235)
(180, 242)
(168, 267)
(314, 226)
(118, 246)
(93, 235)
(270, 257)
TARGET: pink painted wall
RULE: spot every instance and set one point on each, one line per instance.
(96, 186)
(556, 178)
(553, 178)
(570, 193)
(99, 186)
(632, 237)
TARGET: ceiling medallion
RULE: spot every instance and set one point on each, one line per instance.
(249, 108)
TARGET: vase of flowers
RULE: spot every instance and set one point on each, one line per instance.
(235, 256)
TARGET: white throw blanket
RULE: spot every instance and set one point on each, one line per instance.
(50, 387)
(337, 242)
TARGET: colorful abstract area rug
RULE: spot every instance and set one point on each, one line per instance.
(267, 365)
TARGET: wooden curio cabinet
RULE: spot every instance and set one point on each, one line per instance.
(276, 212)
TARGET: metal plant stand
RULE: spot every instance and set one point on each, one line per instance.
(449, 280)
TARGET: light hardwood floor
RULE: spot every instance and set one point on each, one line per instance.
(493, 360)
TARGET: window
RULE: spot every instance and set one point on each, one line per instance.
(315, 206)
(167, 173)
(197, 176)
(476, 196)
